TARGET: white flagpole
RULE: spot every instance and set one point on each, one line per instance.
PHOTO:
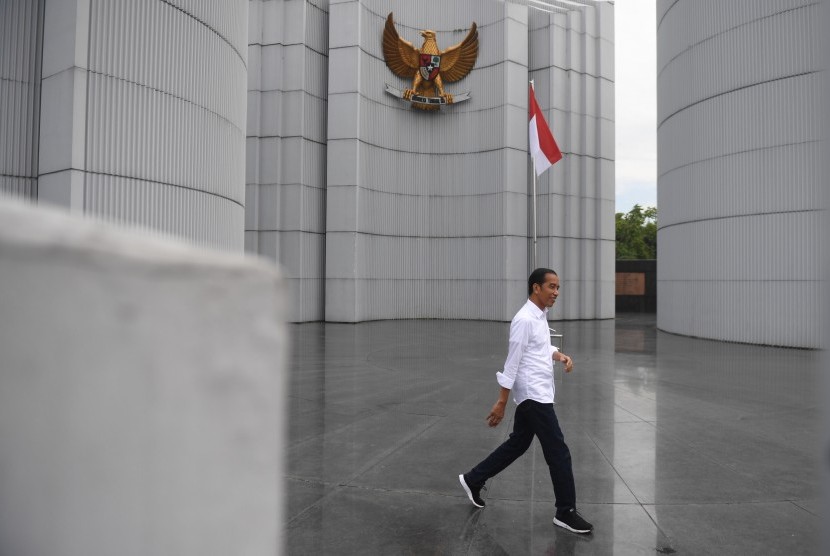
(533, 170)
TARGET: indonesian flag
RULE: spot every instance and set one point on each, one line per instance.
(543, 147)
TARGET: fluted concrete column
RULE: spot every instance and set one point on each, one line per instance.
(143, 114)
(286, 144)
(21, 29)
(572, 65)
(739, 182)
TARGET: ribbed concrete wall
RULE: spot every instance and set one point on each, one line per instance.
(426, 211)
(739, 186)
(21, 26)
(286, 144)
(143, 114)
(378, 211)
(572, 65)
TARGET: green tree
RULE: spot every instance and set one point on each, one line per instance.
(637, 233)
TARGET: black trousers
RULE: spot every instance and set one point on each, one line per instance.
(533, 419)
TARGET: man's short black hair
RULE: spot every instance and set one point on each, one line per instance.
(538, 277)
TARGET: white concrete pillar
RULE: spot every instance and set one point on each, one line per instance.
(142, 393)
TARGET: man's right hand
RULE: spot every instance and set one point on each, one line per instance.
(496, 414)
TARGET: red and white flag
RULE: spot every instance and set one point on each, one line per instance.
(542, 146)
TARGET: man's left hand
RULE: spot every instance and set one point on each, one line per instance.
(567, 361)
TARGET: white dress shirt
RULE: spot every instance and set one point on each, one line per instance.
(528, 370)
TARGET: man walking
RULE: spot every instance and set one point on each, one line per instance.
(528, 373)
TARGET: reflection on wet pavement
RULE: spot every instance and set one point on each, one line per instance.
(679, 445)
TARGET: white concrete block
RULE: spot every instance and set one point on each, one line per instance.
(576, 56)
(605, 24)
(270, 113)
(292, 120)
(252, 157)
(515, 132)
(516, 83)
(516, 42)
(251, 242)
(291, 155)
(576, 21)
(591, 16)
(252, 206)
(606, 99)
(342, 213)
(254, 114)
(294, 23)
(560, 93)
(273, 21)
(315, 111)
(342, 167)
(64, 189)
(343, 115)
(65, 35)
(269, 245)
(516, 11)
(515, 170)
(515, 214)
(539, 49)
(293, 67)
(342, 302)
(59, 122)
(142, 394)
(315, 78)
(606, 57)
(344, 70)
(591, 141)
(270, 159)
(590, 49)
(255, 23)
(559, 48)
(274, 199)
(344, 24)
(272, 67)
(606, 179)
(254, 67)
(606, 136)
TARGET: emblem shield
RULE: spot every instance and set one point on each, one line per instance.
(430, 65)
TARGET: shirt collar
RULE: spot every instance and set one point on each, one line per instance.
(536, 311)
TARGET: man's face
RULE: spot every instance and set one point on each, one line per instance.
(547, 292)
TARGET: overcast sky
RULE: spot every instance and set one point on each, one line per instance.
(636, 103)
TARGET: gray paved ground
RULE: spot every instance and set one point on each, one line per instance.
(679, 445)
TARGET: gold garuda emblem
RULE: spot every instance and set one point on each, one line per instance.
(428, 67)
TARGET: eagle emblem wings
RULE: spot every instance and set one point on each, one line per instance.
(428, 67)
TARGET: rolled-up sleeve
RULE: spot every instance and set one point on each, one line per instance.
(519, 333)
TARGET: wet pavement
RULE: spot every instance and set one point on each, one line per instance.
(679, 445)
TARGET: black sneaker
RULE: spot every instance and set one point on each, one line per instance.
(473, 493)
(572, 521)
